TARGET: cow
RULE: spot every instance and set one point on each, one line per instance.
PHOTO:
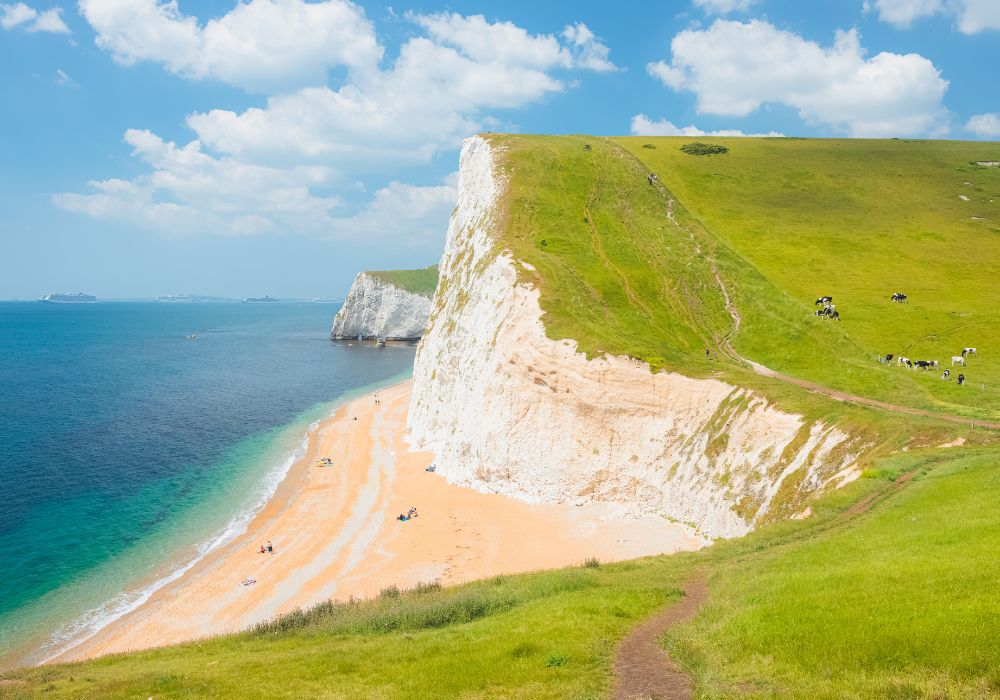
(888, 358)
(902, 361)
(946, 374)
(961, 379)
(823, 300)
(969, 352)
(821, 312)
(899, 298)
(922, 364)
(956, 360)
(836, 315)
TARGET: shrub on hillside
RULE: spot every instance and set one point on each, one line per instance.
(703, 149)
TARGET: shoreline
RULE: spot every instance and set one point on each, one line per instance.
(336, 536)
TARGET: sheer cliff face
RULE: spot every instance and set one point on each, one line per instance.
(375, 308)
(506, 409)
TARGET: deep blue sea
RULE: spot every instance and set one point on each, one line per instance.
(126, 451)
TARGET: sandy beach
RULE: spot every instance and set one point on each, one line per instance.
(335, 535)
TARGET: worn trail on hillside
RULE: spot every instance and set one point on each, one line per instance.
(760, 369)
(643, 670)
(726, 347)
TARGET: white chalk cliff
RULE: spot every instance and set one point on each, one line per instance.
(376, 308)
(505, 409)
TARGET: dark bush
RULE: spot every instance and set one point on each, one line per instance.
(703, 149)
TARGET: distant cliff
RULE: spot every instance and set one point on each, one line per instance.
(391, 304)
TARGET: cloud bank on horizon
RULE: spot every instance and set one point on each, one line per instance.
(337, 104)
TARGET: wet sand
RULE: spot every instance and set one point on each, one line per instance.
(335, 535)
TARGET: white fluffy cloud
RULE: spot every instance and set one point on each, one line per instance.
(903, 13)
(734, 68)
(588, 50)
(400, 209)
(644, 126)
(20, 15)
(432, 95)
(189, 190)
(260, 45)
(288, 165)
(722, 7)
(985, 125)
(971, 16)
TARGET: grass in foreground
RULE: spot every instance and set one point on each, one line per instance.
(898, 602)
(423, 281)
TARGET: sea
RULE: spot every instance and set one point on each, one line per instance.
(128, 451)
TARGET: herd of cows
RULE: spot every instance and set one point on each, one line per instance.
(830, 311)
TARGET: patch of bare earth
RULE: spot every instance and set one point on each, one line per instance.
(643, 670)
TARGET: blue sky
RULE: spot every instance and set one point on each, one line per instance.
(277, 146)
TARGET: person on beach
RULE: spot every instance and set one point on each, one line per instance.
(270, 547)
(263, 549)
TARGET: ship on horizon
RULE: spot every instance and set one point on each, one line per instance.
(78, 298)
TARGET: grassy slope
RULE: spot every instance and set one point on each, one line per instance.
(785, 220)
(899, 601)
(899, 604)
(614, 275)
(858, 219)
(423, 281)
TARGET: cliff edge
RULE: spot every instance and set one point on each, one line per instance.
(506, 409)
(387, 305)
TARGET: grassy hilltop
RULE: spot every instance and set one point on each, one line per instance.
(422, 281)
(887, 590)
(785, 221)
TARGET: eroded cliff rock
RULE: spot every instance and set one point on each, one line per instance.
(505, 409)
(377, 307)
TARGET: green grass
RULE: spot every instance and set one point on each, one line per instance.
(613, 275)
(899, 601)
(785, 221)
(423, 281)
(859, 220)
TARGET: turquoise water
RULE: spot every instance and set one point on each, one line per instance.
(126, 452)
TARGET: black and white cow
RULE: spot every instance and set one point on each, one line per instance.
(961, 379)
(899, 298)
(969, 352)
(823, 300)
(946, 374)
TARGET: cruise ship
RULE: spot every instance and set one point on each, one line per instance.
(78, 298)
